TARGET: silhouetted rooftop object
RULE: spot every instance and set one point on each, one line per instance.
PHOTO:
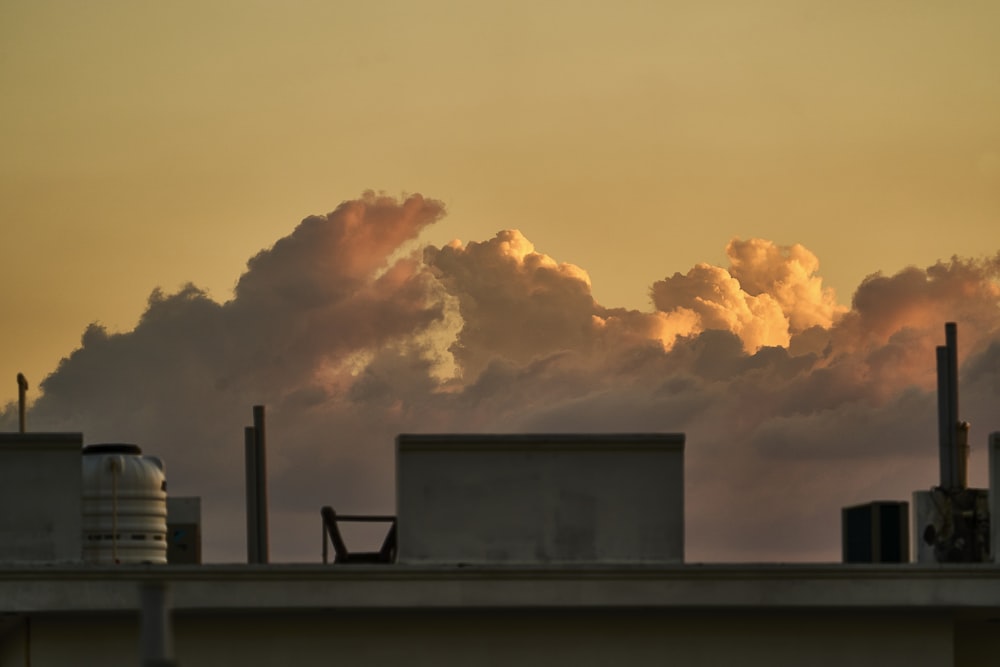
(952, 521)
(953, 433)
(255, 452)
(386, 554)
(22, 389)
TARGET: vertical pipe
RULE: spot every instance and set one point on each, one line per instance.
(116, 464)
(156, 634)
(250, 459)
(944, 425)
(951, 342)
(261, 464)
(22, 389)
(962, 452)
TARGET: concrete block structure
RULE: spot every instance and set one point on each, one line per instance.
(40, 487)
(876, 532)
(184, 530)
(540, 498)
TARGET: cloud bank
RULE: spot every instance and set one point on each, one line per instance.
(794, 404)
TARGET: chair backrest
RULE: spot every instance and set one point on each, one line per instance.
(386, 554)
(388, 550)
(333, 532)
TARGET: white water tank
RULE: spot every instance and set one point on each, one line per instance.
(124, 506)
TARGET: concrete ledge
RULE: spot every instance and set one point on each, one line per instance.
(535, 441)
(693, 587)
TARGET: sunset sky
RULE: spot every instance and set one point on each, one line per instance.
(698, 191)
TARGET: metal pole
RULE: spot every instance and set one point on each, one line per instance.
(250, 459)
(962, 450)
(261, 469)
(951, 341)
(944, 423)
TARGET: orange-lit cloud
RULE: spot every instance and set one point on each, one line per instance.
(767, 294)
(794, 405)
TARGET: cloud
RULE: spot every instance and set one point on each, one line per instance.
(794, 405)
(520, 304)
(767, 294)
(517, 305)
(182, 382)
(788, 275)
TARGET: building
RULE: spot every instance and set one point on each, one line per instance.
(528, 550)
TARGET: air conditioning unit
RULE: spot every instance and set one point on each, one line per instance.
(876, 532)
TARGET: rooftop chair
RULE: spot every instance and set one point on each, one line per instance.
(387, 554)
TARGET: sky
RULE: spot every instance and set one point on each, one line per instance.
(745, 221)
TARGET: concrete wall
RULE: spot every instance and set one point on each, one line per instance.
(40, 497)
(856, 615)
(583, 639)
(540, 498)
(977, 642)
(528, 638)
(13, 640)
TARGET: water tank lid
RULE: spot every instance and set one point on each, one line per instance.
(112, 448)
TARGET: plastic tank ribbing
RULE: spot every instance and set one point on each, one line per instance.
(124, 506)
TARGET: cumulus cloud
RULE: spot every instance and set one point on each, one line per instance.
(794, 405)
(788, 274)
(767, 294)
(517, 305)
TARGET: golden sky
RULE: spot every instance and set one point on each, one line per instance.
(153, 144)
